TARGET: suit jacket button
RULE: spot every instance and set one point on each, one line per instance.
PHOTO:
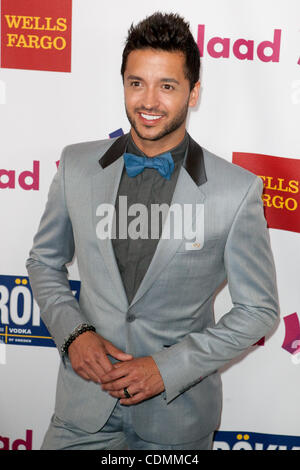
(130, 317)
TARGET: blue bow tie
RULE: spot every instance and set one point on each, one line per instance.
(163, 164)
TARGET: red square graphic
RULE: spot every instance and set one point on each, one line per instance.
(36, 34)
(281, 195)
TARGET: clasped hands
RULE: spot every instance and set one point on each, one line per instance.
(140, 376)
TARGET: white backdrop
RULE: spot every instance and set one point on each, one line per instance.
(246, 106)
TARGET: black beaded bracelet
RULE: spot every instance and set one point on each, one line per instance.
(78, 331)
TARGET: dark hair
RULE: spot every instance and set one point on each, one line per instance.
(167, 32)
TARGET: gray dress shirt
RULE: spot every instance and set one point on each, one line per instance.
(134, 256)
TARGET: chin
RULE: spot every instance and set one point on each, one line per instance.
(151, 136)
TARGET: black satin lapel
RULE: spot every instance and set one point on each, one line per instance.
(114, 152)
(194, 163)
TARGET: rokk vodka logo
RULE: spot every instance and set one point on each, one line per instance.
(230, 440)
(20, 322)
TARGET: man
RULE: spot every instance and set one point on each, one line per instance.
(141, 351)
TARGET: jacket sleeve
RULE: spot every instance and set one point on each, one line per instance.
(52, 250)
(251, 278)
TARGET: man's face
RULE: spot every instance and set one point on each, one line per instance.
(157, 96)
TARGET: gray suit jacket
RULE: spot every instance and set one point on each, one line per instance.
(171, 316)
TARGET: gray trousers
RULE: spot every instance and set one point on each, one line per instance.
(117, 434)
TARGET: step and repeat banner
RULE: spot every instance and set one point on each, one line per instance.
(60, 83)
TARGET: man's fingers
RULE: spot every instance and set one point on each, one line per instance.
(115, 384)
(117, 372)
(140, 376)
(89, 369)
(116, 352)
(103, 363)
(89, 356)
(133, 390)
(91, 366)
(119, 364)
(137, 398)
(87, 373)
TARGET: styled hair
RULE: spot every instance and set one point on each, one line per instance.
(166, 32)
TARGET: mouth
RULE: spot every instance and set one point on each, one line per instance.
(150, 119)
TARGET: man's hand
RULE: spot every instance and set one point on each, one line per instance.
(88, 356)
(140, 376)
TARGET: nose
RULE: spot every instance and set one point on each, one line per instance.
(151, 99)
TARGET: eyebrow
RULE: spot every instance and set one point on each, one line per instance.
(165, 80)
(170, 80)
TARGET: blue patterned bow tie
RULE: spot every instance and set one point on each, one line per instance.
(163, 164)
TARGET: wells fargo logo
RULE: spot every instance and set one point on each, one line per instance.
(36, 34)
(281, 195)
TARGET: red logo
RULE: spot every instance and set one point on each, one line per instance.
(36, 35)
(291, 341)
(281, 195)
(28, 179)
(242, 49)
(18, 444)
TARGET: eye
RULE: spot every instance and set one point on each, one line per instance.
(135, 83)
(167, 86)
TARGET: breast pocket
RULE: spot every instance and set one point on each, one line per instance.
(189, 248)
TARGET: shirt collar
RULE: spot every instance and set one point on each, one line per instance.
(193, 160)
(178, 152)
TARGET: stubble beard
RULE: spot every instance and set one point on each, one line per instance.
(168, 129)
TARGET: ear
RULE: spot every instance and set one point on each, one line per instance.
(194, 95)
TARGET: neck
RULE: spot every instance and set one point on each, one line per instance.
(155, 147)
